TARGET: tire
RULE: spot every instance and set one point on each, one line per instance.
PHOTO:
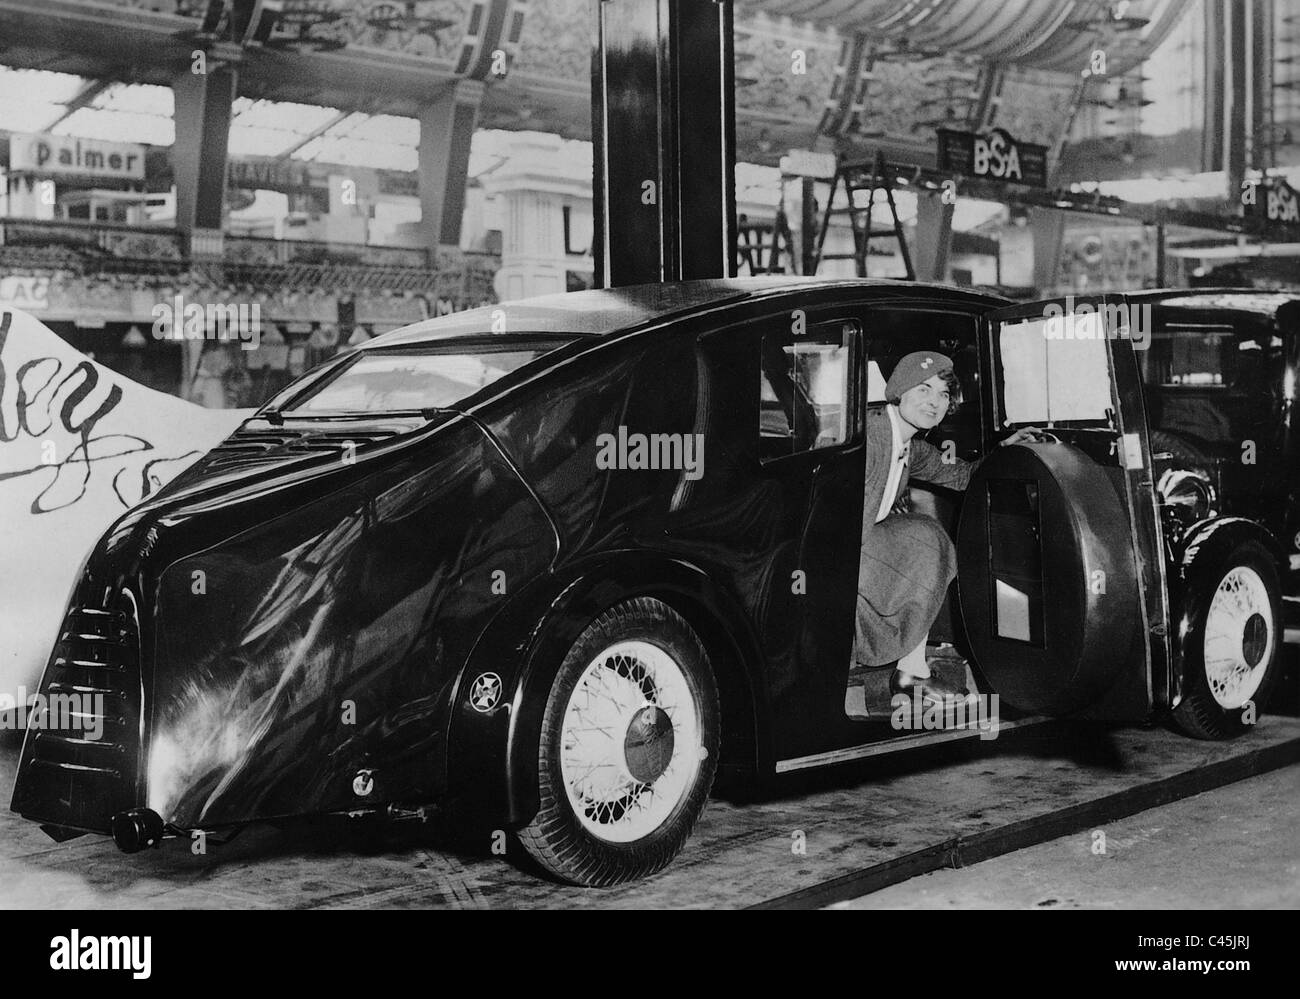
(1060, 657)
(1236, 626)
(634, 655)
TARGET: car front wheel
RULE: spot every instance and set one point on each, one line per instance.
(628, 748)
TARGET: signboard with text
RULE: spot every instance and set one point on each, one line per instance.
(995, 155)
(1274, 201)
(67, 155)
(31, 294)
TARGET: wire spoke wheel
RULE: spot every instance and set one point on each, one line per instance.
(630, 743)
(1230, 636)
(1239, 637)
(628, 747)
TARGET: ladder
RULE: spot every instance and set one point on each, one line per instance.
(754, 239)
(857, 177)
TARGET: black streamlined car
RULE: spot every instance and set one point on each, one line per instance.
(552, 565)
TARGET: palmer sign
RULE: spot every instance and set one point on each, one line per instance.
(993, 156)
(67, 155)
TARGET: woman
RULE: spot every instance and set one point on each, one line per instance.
(908, 560)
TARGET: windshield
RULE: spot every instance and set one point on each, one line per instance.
(391, 382)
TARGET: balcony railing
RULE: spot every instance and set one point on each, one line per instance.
(103, 248)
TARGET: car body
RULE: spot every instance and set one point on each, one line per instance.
(485, 560)
(1220, 381)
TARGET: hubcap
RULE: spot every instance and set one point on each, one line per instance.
(630, 744)
(1239, 637)
(648, 745)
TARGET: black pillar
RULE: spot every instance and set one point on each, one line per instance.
(203, 111)
(446, 131)
(663, 125)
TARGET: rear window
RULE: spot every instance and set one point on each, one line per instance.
(1211, 358)
(397, 382)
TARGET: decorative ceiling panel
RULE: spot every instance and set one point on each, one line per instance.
(1048, 34)
(557, 40)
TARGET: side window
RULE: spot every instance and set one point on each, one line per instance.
(1052, 381)
(805, 388)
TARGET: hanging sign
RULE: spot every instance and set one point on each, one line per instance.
(47, 155)
(995, 155)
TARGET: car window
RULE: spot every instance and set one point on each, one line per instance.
(1211, 358)
(1212, 384)
(1052, 381)
(804, 388)
(388, 382)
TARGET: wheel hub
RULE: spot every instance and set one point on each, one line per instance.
(648, 744)
(1254, 640)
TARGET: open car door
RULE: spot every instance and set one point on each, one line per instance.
(1060, 577)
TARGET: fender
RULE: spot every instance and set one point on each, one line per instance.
(492, 755)
(1198, 557)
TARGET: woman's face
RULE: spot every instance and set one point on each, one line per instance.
(924, 405)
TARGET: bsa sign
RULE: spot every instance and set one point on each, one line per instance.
(1273, 201)
(1280, 202)
(993, 156)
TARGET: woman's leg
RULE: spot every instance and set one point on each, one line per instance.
(914, 664)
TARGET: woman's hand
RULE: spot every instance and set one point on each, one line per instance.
(1025, 435)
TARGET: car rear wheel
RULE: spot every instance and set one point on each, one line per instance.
(1233, 651)
(628, 748)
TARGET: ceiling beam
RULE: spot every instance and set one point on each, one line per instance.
(316, 133)
(83, 99)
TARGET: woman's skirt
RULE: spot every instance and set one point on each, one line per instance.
(907, 564)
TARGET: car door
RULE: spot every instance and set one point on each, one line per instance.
(811, 455)
(1060, 562)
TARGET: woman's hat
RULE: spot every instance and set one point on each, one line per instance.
(915, 368)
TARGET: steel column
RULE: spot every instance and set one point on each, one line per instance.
(663, 129)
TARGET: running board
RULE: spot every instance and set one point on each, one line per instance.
(901, 743)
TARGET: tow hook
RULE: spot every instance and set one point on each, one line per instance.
(136, 829)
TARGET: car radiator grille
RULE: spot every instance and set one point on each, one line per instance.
(93, 682)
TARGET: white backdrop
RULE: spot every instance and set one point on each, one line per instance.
(79, 445)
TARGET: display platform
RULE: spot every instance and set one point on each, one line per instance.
(809, 839)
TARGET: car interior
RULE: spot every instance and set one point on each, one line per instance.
(891, 335)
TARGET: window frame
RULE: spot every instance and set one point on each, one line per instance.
(854, 406)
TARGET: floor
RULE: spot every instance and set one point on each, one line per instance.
(810, 839)
(1236, 847)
